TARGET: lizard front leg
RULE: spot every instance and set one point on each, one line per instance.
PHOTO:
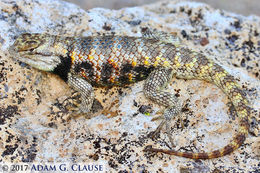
(153, 89)
(86, 92)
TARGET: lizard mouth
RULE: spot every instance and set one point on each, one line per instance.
(43, 61)
(32, 54)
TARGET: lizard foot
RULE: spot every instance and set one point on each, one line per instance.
(77, 110)
(169, 113)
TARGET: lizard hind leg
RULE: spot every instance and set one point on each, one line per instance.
(153, 89)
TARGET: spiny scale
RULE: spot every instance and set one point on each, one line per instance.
(118, 60)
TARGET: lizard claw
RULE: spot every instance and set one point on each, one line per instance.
(156, 132)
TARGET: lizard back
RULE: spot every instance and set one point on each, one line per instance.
(118, 60)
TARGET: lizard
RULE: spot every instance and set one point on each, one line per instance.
(114, 60)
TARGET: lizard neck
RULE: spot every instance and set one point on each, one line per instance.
(63, 68)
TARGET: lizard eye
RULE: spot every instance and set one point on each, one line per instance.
(29, 45)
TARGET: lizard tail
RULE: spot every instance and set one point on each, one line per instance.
(220, 77)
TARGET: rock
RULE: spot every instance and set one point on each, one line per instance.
(34, 121)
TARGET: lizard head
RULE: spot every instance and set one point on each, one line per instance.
(37, 50)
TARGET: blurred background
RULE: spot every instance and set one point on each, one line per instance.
(245, 7)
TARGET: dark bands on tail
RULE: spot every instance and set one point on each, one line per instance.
(238, 141)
